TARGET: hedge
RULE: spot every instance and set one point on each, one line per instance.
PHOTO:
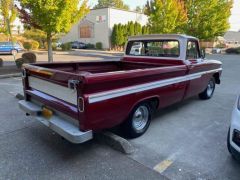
(98, 45)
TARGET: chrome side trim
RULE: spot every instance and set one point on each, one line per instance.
(143, 87)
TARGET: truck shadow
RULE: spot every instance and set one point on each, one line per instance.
(48, 141)
(160, 113)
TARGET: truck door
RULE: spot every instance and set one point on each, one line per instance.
(195, 65)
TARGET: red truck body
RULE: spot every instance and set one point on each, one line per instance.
(100, 95)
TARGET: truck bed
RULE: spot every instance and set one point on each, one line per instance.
(50, 84)
(99, 67)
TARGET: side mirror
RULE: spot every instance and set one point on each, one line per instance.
(203, 54)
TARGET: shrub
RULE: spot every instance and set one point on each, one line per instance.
(99, 45)
(29, 57)
(26, 58)
(27, 45)
(66, 46)
(220, 45)
(19, 62)
(90, 46)
(1, 62)
(35, 45)
(233, 50)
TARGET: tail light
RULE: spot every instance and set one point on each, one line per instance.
(81, 104)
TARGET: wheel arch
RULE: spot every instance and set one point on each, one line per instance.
(152, 100)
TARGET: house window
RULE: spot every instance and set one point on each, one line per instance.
(85, 32)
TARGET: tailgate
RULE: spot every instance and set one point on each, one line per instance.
(57, 90)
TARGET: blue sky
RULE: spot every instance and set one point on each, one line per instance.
(234, 19)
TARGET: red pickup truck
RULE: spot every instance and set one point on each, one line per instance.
(76, 99)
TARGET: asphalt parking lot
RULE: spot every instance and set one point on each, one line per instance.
(188, 140)
(184, 141)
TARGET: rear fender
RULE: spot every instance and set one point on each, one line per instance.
(147, 99)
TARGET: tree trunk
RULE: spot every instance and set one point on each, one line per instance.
(50, 53)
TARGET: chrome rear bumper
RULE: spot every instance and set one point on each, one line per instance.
(58, 124)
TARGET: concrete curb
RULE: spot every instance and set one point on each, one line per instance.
(10, 75)
(116, 142)
(19, 96)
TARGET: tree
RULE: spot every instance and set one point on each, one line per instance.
(145, 30)
(207, 19)
(9, 14)
(120, 35)
(131, 30)
(114, 35)
(111, 3)
(137, 28)
(138, 9)
(148, 8)
(120, 32)
(52, 16)
(125, 33)
(167, 16)
(36, 35)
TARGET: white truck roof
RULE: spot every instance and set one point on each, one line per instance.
(183, 41)
(160, 36)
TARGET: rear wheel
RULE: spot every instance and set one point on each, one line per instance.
(138, 121)
(208, 92)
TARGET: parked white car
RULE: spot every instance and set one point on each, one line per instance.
(234, 131)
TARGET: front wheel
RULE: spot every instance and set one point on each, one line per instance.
(138, 121)
(208, 92)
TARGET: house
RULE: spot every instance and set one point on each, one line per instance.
(97, 25)
(232, 39)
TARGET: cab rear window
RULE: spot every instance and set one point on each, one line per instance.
(154, 48)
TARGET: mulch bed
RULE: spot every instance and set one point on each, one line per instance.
(9, 70)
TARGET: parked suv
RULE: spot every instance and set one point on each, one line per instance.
(233, 140)
(10, 48)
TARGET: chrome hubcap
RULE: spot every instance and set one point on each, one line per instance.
(210, 88)
(140, 118)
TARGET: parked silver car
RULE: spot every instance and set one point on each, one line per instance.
(233, 140)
